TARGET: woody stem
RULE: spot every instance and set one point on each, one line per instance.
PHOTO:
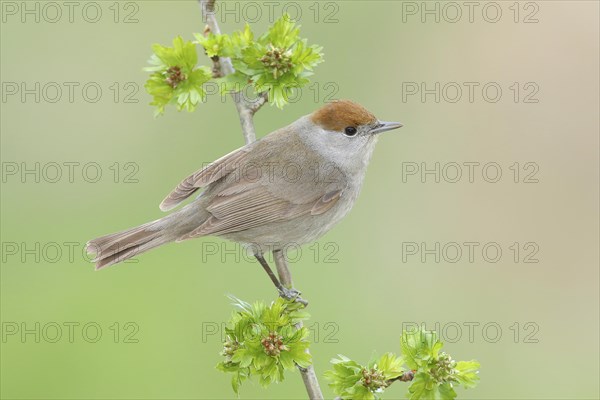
(246, 110)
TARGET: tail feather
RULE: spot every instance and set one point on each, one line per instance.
(116, 242)
(117, 247)
(128, 251)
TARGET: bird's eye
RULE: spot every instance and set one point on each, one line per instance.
(350, 131)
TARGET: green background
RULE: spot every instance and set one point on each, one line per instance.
(358, 303)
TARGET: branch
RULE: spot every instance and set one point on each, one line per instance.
(259, 102)
(308, 374)
(222, 66)
(208, 11)
(405, 377)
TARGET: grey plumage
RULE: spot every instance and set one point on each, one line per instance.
(291, 186)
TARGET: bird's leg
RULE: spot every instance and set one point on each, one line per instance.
(288, 294)
(283, 272)
(285, 277)
(269, 271)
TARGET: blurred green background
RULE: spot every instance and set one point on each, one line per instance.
(370, 287)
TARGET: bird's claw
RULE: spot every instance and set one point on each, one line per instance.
(292, 295)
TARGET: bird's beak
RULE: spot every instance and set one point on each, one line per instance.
(385, 126)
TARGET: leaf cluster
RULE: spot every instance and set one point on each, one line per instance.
(434, 374)
(351, 380)
(276, 63)
(175, 78)
(264, 341)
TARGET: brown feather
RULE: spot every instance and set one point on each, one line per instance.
(211, 173)
(326, 202)
(337, 115)
(241, 201)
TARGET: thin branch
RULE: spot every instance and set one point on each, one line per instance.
(259, 102)
(208, 12)
(308, 374)
(246, 115)
(311, 383)
(405, 377)
(222, 66)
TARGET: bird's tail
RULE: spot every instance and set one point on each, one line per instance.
(117, 247)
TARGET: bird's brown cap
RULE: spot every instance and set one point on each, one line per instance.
(339, 114)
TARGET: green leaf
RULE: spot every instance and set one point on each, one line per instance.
(239, 303)
(287, 360)
(243, 357)
(467, 373)
(306, 57)
(215, 44)
(390, 365)
(422, 387)
(235, 383)
(446, 392)
(303, 359)
(182, 54)
(239, 41)
(345, 377)
(418, 347)
(362, 393)
(283, 33)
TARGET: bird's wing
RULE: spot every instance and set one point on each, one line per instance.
(211, 173)
(268, 181)
(255, 206)
(275, 182)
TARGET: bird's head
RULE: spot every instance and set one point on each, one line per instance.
(344, 131)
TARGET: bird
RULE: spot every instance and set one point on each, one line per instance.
(290, 187)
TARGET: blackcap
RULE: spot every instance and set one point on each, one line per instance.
(287, 188)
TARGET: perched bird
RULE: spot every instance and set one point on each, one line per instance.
(289, 187)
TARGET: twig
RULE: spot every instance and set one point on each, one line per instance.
(259, 102)
(308, 374)
(405, 377)
(208, 12)
(223, 66)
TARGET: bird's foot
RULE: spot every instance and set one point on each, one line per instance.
(292, 295)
